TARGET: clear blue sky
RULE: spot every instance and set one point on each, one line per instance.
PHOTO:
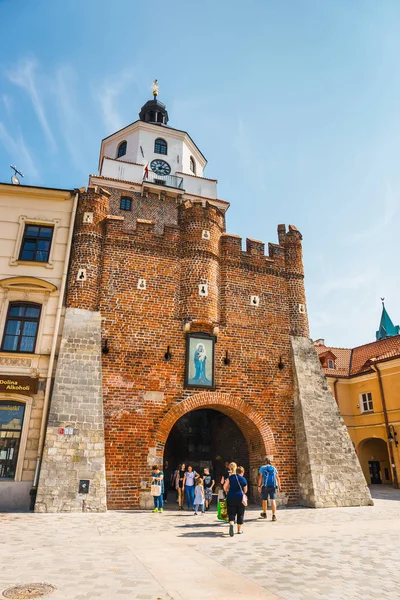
(295, 104)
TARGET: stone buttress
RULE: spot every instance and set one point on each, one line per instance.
(329, 473)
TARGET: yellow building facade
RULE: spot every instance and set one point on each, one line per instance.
(365, 382)
(36, 225)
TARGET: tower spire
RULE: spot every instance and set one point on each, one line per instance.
(386, 327)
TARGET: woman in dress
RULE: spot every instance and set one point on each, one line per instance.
(179, 486)
(235, 486)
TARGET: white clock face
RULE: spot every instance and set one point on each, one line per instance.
(160, 167)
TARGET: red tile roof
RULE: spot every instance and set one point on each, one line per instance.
(350, 362)
(342, 361)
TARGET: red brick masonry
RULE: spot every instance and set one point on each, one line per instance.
(140, 324)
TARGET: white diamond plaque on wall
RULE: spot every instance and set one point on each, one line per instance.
(88, 217)
(302, 309)
(254, 300)
(141, 284)
(203, 289)
(206, 234)
(81, 275)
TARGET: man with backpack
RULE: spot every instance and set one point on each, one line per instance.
(268, 483)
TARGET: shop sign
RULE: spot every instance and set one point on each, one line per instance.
(19, 385)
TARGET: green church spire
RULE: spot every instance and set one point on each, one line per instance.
(386, 327)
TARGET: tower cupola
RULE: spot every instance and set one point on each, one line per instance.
(154, 111)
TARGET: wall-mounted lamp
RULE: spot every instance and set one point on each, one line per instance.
(281, 364)
(105, 349)
(168, 355)
(392, 435)
(227, 360)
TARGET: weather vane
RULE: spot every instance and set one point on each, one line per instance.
(155, 88)
(14, 178)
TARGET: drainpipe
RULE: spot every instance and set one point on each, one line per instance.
(335, 391)
(385, 414)
(54, 342)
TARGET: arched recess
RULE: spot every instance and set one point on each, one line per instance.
(258, 434)
(373, 455)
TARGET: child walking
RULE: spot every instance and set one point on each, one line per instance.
(157, 480)
(199, 496)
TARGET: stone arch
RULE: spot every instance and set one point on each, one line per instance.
(374, 448)
(257, 433)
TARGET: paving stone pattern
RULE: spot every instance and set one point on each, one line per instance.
(331, 554)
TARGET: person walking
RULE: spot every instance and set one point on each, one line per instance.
(236, 489)
(208, 483)
(268, 483)
(157, 478)
(167, 481)
(199, 496)
(179, 479)
(226, 472)
(188, 486)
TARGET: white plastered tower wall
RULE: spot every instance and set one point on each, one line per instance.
(140, 138)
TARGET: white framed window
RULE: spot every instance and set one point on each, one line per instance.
(366, 404)
(35, 242)
(331, 363)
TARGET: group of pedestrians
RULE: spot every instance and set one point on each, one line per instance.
(197, 489)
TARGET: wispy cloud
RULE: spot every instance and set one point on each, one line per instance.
(6, 101)
(19, 153)
(24, 75)
(107, 96)
(73, 126)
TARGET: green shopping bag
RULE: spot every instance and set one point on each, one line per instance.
(222, 513)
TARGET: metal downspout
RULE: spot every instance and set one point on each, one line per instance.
(335, 391)
(54, 342)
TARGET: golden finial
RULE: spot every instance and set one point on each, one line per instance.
(155, 88)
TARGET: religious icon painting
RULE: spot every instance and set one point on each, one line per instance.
(199, 370)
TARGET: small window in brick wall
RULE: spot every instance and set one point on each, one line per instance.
(126, 203)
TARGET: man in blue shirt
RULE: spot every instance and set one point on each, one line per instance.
(268, 483)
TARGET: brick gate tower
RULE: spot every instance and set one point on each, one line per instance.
(167, 316)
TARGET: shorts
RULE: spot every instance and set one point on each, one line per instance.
(268, 491)
(208, 494)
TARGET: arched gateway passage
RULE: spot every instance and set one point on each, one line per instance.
(374, 459)
(234, 430)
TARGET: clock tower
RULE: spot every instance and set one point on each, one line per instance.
(151, 153)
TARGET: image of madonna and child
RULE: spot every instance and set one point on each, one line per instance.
(197, 489)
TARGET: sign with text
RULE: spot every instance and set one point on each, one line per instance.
(19, 385)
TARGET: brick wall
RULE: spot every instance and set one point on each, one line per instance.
(143, 394)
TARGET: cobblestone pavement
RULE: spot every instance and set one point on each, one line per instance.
(343, 553)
